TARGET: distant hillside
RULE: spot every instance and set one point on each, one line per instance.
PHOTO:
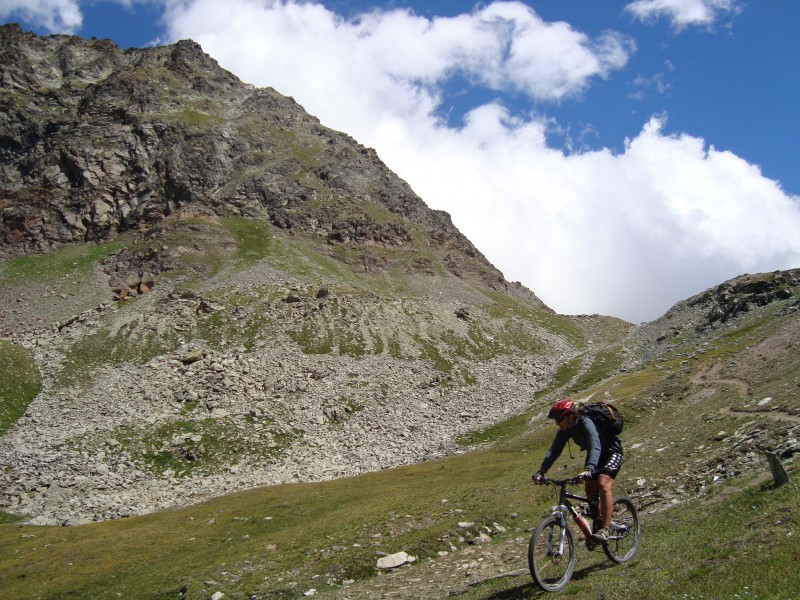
(98, 141)
(216, 291)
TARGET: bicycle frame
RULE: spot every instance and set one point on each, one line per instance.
(561, 510)
(564, 507)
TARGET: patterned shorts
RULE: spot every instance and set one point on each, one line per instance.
(611, 466)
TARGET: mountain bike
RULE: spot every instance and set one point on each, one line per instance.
(551, 552)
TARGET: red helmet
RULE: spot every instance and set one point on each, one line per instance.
(561, 408)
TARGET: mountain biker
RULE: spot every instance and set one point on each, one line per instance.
(603, 458)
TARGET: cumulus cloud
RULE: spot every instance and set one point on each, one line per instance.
(624, 234)
(683, 13)
(55, 16)
(504, 47)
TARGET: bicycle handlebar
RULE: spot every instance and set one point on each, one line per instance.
(562, 482)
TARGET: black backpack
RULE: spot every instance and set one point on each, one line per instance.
(605, 416)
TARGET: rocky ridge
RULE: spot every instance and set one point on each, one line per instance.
(686, 324)
(194, 369)
(97, 141)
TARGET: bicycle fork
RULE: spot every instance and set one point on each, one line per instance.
(560, 513)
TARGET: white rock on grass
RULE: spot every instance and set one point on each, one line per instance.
(395, 560)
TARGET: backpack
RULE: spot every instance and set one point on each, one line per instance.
(605, 416)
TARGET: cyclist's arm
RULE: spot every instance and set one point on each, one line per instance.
(593, 444)
(555, 450)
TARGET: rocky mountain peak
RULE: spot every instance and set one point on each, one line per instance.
(211, 286)
(96, 141)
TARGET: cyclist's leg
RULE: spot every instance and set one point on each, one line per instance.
(606, 504)
(590, 487)
(605, 485)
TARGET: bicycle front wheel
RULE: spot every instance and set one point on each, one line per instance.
(623, 540)
(551, 555)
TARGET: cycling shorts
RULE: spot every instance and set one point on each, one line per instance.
(611, 465)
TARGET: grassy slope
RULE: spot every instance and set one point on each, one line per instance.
(286, 539)
(739, 542)
(269, 539)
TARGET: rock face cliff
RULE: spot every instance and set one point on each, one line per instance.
(218, 292)
(97, 141)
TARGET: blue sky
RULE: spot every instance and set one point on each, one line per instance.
(613, 156)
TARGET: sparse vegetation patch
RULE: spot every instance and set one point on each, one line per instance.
(65, 263)
(19, 383)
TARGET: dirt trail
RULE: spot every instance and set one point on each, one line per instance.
(459, 573)
(446, 576)
(777, 415)
(707, 379)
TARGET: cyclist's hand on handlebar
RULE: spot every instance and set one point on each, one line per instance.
(587, 474)
(538, 477)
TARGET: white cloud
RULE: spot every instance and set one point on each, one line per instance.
(56, 16)
(684, 13)
(641, 85)
(504, 46)
(544, 60)
(624, 234)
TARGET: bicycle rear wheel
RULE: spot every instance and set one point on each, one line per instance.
(624, 538)
(551, 566)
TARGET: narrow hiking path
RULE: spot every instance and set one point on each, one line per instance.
(777, 415)
(451, 575)
(708, 378)
(461, 574)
